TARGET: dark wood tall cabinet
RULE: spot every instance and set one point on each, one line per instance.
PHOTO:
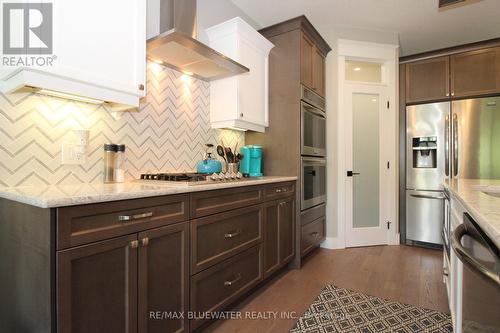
(297, 59)
(428, 80)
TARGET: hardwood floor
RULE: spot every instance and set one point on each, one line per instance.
(406, 274)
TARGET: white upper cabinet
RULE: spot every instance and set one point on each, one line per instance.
(99, 50)
(241, 101)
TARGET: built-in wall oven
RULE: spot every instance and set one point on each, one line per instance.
(313, 182)
(313, 124)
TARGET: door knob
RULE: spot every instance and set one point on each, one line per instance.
(350, 173)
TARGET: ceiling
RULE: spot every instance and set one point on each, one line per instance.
(418, 23)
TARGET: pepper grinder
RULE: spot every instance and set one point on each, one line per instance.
(110, 151)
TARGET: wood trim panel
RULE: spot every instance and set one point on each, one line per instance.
(217, 201)
(78, 225)
(451, 50)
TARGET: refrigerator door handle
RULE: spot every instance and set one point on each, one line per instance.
(422, 196)
(447, 145)
(455, 145)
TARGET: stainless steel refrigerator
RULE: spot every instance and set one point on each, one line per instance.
(459, 139)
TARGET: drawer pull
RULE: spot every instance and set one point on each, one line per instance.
(230, 283)
(314, 234)
(284, 189)
(278, 190)
(232, 234)
(134, 244)
(134, 217)
(145, 241)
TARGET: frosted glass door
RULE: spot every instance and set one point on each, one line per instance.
(365, 160)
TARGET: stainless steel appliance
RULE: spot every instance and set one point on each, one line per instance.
(172, 42)
(189, 179)
(481, 277)
(443, 141)
(313, 124)
(313, 182)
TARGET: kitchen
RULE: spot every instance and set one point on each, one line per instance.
(228, 165)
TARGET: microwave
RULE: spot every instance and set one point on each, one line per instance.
(313, 124)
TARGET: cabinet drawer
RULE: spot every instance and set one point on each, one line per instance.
(278, 190)
(216, 287)
(84, 224)
(312, 235)
(213, 202)
(218, 237)
(312, 214)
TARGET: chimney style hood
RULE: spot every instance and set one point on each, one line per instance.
(172, 26)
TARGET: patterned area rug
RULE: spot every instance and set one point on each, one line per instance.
(342, 310)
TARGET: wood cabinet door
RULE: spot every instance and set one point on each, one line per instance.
(318, 72)
(164, 279)
(271, 258)
(475, 73)
(286, 229)
(428, 80)
(97, 287)
(306, 61)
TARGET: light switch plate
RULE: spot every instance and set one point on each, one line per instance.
(73, 154)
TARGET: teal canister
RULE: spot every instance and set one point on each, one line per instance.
(251, 164)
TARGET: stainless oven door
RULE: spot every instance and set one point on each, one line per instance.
(313, 182)
(313, 130)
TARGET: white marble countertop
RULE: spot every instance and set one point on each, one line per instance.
(483, 207)
(78, 194)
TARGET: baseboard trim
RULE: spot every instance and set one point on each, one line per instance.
(333, 243)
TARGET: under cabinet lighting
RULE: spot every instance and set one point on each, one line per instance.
(356, 69)
(58, 94)
(237, 129)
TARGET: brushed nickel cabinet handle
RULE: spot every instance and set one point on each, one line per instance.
(134, 244)
(134, 217)
(145, 241)
(278, 190)
(232, 234)
(314, 234)
(230, 283)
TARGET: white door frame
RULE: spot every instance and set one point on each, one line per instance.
(388, 55)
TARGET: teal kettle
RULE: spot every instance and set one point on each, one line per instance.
(208, 165)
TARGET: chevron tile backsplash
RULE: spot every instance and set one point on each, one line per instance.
(167, 133)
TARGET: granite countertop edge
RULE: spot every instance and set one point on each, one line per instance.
(483, 208)
(53, 196)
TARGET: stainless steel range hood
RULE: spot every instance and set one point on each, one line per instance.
(173, 25)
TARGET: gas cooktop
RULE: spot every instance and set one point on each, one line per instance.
(174, 177)
(190, 178)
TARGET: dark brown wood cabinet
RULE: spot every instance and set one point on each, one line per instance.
(312, 65)
(278, 234)
(143, 273)
(471, 74)
(428, 80)
(318, 72)
(164, 279)
(475, 73)
(97, 287)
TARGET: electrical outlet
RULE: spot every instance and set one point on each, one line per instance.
(73, 154)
